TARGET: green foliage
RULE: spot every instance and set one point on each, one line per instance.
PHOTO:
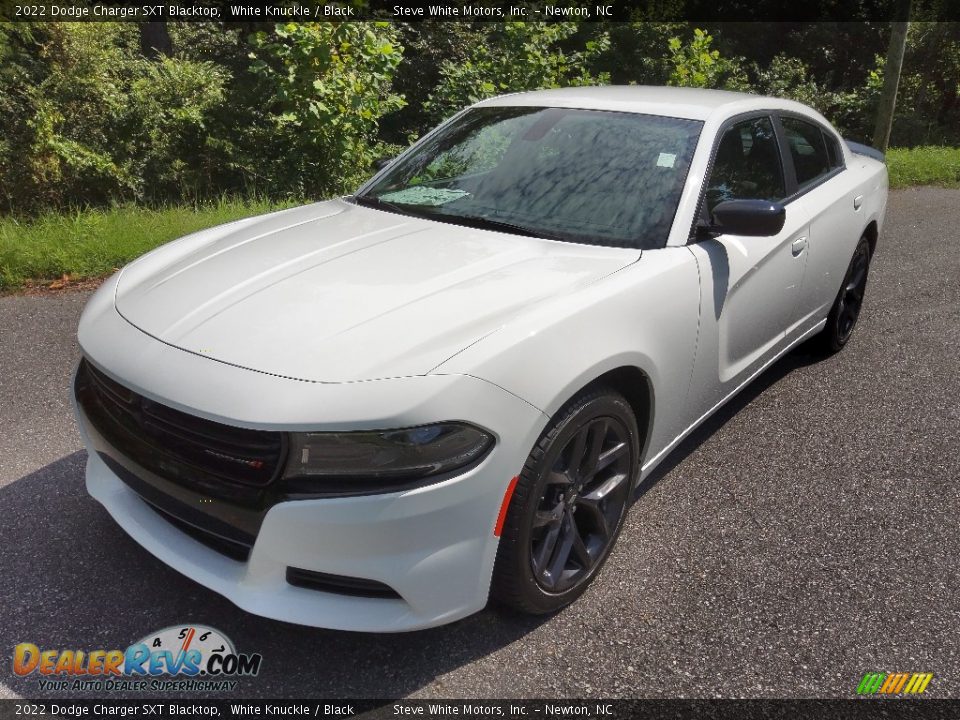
(928, 98)
(516, 56)
(697, 64)
(173, 145)
(638, 52)
(92, 243)
(331, 85)
(788, 77)
(426, 48)
(88, 121)
(65, 95)
(924, 166)
(94, 122)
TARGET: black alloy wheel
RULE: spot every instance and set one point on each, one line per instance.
(582, 502)
(849, 302)
(851, 295)
(569, 504)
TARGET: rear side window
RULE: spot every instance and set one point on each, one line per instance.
(747, 164)
(833, 150)
(808, 149)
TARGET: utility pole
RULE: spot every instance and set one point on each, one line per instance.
(891, 79)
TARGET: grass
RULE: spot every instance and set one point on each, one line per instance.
(92, 243)
(924, 166)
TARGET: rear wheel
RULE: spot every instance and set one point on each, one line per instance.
(569, 504)
(846, 307)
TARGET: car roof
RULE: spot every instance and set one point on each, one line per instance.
(680, 102)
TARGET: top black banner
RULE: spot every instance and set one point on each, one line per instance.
(481, 11)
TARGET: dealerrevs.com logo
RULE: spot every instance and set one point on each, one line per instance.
(176, 659)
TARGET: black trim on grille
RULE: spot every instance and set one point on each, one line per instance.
(159, 453)
(187, 510)
(231, 548)
(339, 584)
(173, 442)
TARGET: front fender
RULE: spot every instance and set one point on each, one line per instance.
(645, 316)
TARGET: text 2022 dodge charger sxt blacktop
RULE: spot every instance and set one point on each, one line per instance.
(377, 412)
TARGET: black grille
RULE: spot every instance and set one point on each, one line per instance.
(219, 460)
(231, 548)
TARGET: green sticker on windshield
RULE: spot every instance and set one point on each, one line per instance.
(422, 195)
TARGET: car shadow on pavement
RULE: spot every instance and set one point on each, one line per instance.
(799, 357)
(71, 578)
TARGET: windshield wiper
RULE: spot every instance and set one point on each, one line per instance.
(478, 221)
(486, 223)
(375, 202)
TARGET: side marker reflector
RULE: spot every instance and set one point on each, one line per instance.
(504, 506)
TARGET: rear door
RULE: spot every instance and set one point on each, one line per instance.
(813, 156)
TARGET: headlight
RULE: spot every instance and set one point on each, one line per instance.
(358, 462)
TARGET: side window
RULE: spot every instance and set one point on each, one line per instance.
(808, 150)
(747, 164)
(833, 150)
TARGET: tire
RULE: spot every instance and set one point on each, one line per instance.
(565, 515)
(847, 306)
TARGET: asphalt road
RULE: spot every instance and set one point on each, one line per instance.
(806, 535)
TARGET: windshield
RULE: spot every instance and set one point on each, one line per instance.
(589, 176)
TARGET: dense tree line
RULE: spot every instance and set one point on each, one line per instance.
(100, 113)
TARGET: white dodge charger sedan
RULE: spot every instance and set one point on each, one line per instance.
(379, 412)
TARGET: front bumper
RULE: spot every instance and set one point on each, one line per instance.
(433, 545)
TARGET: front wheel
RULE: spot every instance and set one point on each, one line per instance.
(846, 307)
(569, 504)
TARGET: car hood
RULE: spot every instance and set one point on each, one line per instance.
(333, 292)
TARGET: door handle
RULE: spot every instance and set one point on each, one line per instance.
(798, 246)
(857, 202)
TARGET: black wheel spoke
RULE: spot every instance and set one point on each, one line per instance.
(590, 510)
(580, 553)
(598, 433)
(859, 275)
(559, 478)
(548, 517)
(604, 489)
(608, 457)
(562, 550)
(546, 550)
(577, 449)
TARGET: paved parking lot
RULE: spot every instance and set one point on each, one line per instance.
(806, 535)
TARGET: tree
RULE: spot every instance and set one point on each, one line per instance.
(891, 79)
(155, 40)
(331, 82)
(697, 64)
(517, 56)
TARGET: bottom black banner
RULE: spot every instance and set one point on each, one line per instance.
(482, 709)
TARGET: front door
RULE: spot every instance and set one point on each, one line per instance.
(750, 286)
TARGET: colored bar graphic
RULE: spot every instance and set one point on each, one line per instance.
(870, 683)
(894, 683)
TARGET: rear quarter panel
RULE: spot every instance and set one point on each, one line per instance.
(836, 226)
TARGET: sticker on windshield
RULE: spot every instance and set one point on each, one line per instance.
(423, 195)
(666, 160)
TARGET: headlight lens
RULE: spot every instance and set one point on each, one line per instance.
(373, 458)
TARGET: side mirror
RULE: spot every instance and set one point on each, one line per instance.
(760, 218)
(380, 163)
